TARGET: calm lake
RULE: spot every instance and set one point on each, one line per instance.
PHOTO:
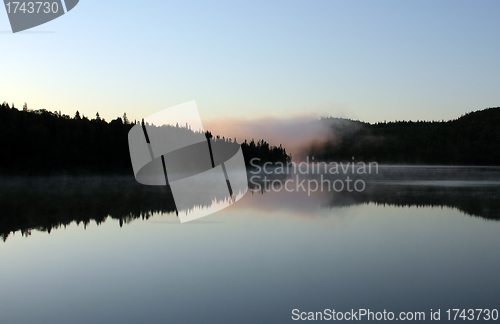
(108, 250)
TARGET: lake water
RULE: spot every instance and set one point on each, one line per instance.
(107, 250)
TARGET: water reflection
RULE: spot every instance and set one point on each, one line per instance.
(47, 203)
(472, 191)
(43, 204)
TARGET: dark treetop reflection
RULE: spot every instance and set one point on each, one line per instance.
(44, 203)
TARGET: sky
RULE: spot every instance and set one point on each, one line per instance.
(251, 60)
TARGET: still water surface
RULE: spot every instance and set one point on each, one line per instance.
(409, 243)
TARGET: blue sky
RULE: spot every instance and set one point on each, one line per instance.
(368, 60)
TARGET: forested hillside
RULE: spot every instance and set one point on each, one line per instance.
(44, 142)
(473, 139)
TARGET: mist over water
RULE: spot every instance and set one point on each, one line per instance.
(44, 203)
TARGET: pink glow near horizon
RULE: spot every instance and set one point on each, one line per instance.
(294, 133)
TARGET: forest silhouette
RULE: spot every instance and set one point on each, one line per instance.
(40, 142)
(472, 139)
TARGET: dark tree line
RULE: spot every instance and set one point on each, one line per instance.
(472, 139)
(44, 142)
(261, 151)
